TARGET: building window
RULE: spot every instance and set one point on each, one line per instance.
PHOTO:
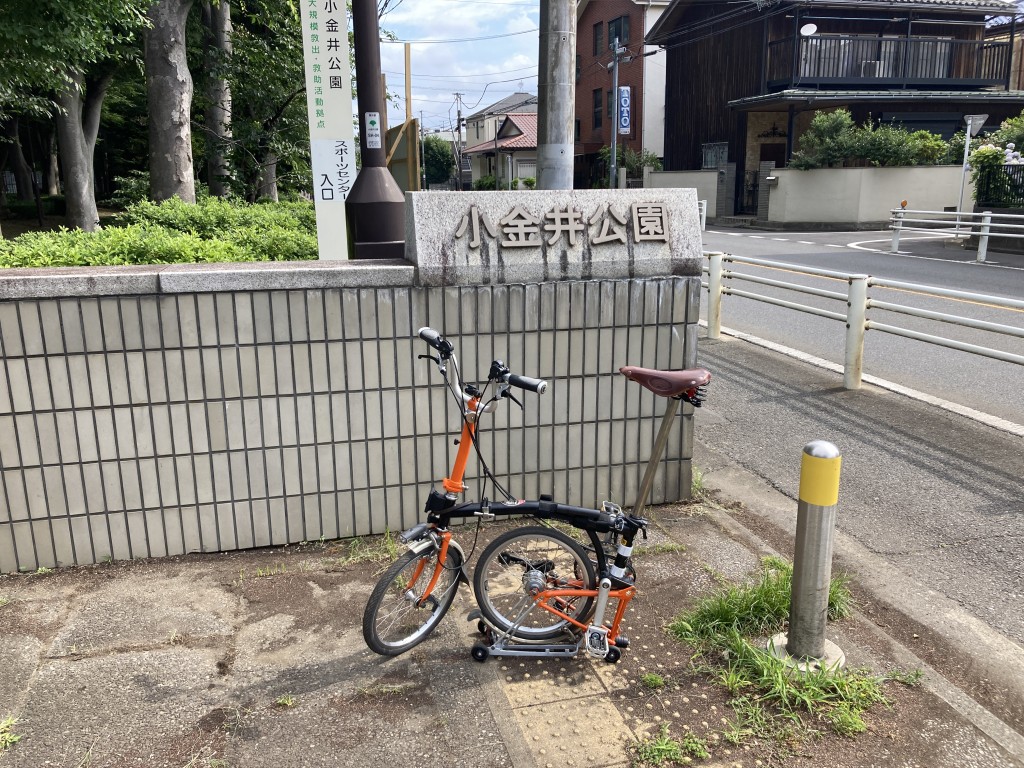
(611, 101)
(579, 67)
(576, 133)
(598, 98)
(619, 28)
(599, 38)
(715, 154)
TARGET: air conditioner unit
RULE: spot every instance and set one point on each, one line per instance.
(874, 69)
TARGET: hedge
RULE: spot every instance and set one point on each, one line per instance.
(174, 232)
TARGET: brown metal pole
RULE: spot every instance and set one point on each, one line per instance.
(376, 205)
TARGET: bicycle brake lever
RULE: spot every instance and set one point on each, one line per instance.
(510, 396)
(429, 357)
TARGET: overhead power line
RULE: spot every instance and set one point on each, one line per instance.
(467, 39)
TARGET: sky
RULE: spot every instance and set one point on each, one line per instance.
(485, 50)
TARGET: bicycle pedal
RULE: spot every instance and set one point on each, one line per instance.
(597, 641)
(622, 641)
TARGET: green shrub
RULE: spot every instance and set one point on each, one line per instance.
(173, 232)
(216, 217)
(133, 188)
(529, 182)
(485, 183)
(134, 244)
(833, 140)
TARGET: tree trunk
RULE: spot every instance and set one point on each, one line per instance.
(51, 171)
(78, 123)
(16, 159)
(217, 21)
(169, 91)
(268, 178)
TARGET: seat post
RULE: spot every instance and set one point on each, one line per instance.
(659, 449)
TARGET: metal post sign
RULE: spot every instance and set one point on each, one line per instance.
(331, 134)
(625, 109)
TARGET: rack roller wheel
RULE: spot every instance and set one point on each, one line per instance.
(480, 652)
(613, 655)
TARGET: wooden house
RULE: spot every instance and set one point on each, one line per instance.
(744, 79)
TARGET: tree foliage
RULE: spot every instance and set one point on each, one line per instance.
(834, 140)
(438, 159)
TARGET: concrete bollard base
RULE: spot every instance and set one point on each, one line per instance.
(833, 659)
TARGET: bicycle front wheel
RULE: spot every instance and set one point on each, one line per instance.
(521, 563)
(397, 617)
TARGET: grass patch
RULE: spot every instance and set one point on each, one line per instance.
(662, 548)
(384, 549)
(698, 490)
(8, 738)
(286, 701)
(664, 749)
(4, 601)
(653, 681)
(757, 609)
(771, 699)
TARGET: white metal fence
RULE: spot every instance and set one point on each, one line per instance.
(958, 224)
(856, 303)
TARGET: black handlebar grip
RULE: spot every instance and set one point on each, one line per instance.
(525, 382)
(432, 337)
(438, 342)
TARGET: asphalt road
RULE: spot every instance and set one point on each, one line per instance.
(990, 386)
(939, 497)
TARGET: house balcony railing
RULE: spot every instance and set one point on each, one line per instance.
(852, 61)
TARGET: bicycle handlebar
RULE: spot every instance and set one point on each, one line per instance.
(437, 341)
(498, 369)
(525, 382)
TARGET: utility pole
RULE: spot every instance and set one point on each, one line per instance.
(556, 94)
(458, 138)
(423, 157)
(376, 204)
(617, 56)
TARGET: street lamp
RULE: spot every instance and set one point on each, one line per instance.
(974, 125)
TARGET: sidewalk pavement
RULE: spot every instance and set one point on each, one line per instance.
(256, 659)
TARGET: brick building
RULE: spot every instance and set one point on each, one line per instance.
(598, 23)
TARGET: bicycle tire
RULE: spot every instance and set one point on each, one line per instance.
(394, 621)
(532, 557)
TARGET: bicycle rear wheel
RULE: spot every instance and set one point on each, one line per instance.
(519, 564)
(396, 617)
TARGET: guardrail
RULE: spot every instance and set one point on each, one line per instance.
(957, 224)
(857, 304)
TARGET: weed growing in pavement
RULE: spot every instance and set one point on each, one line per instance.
(698, 490)
(287, 700)
(662, 548)
(771, 698)
(662, 749)
(384, 550)
(8, 738)
(265, 573)
(653, 681)
(4, 601)
(658, 750)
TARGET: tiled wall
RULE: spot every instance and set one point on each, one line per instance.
(148, 425)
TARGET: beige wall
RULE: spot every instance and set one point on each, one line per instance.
(705, 182)
(154, 411)
(862, 195)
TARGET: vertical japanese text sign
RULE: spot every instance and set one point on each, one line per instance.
(331, 135)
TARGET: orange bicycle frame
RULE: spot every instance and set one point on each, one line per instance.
(453, 483)
(446, 537)
(622, 595)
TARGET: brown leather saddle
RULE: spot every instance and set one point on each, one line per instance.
(687, 385)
